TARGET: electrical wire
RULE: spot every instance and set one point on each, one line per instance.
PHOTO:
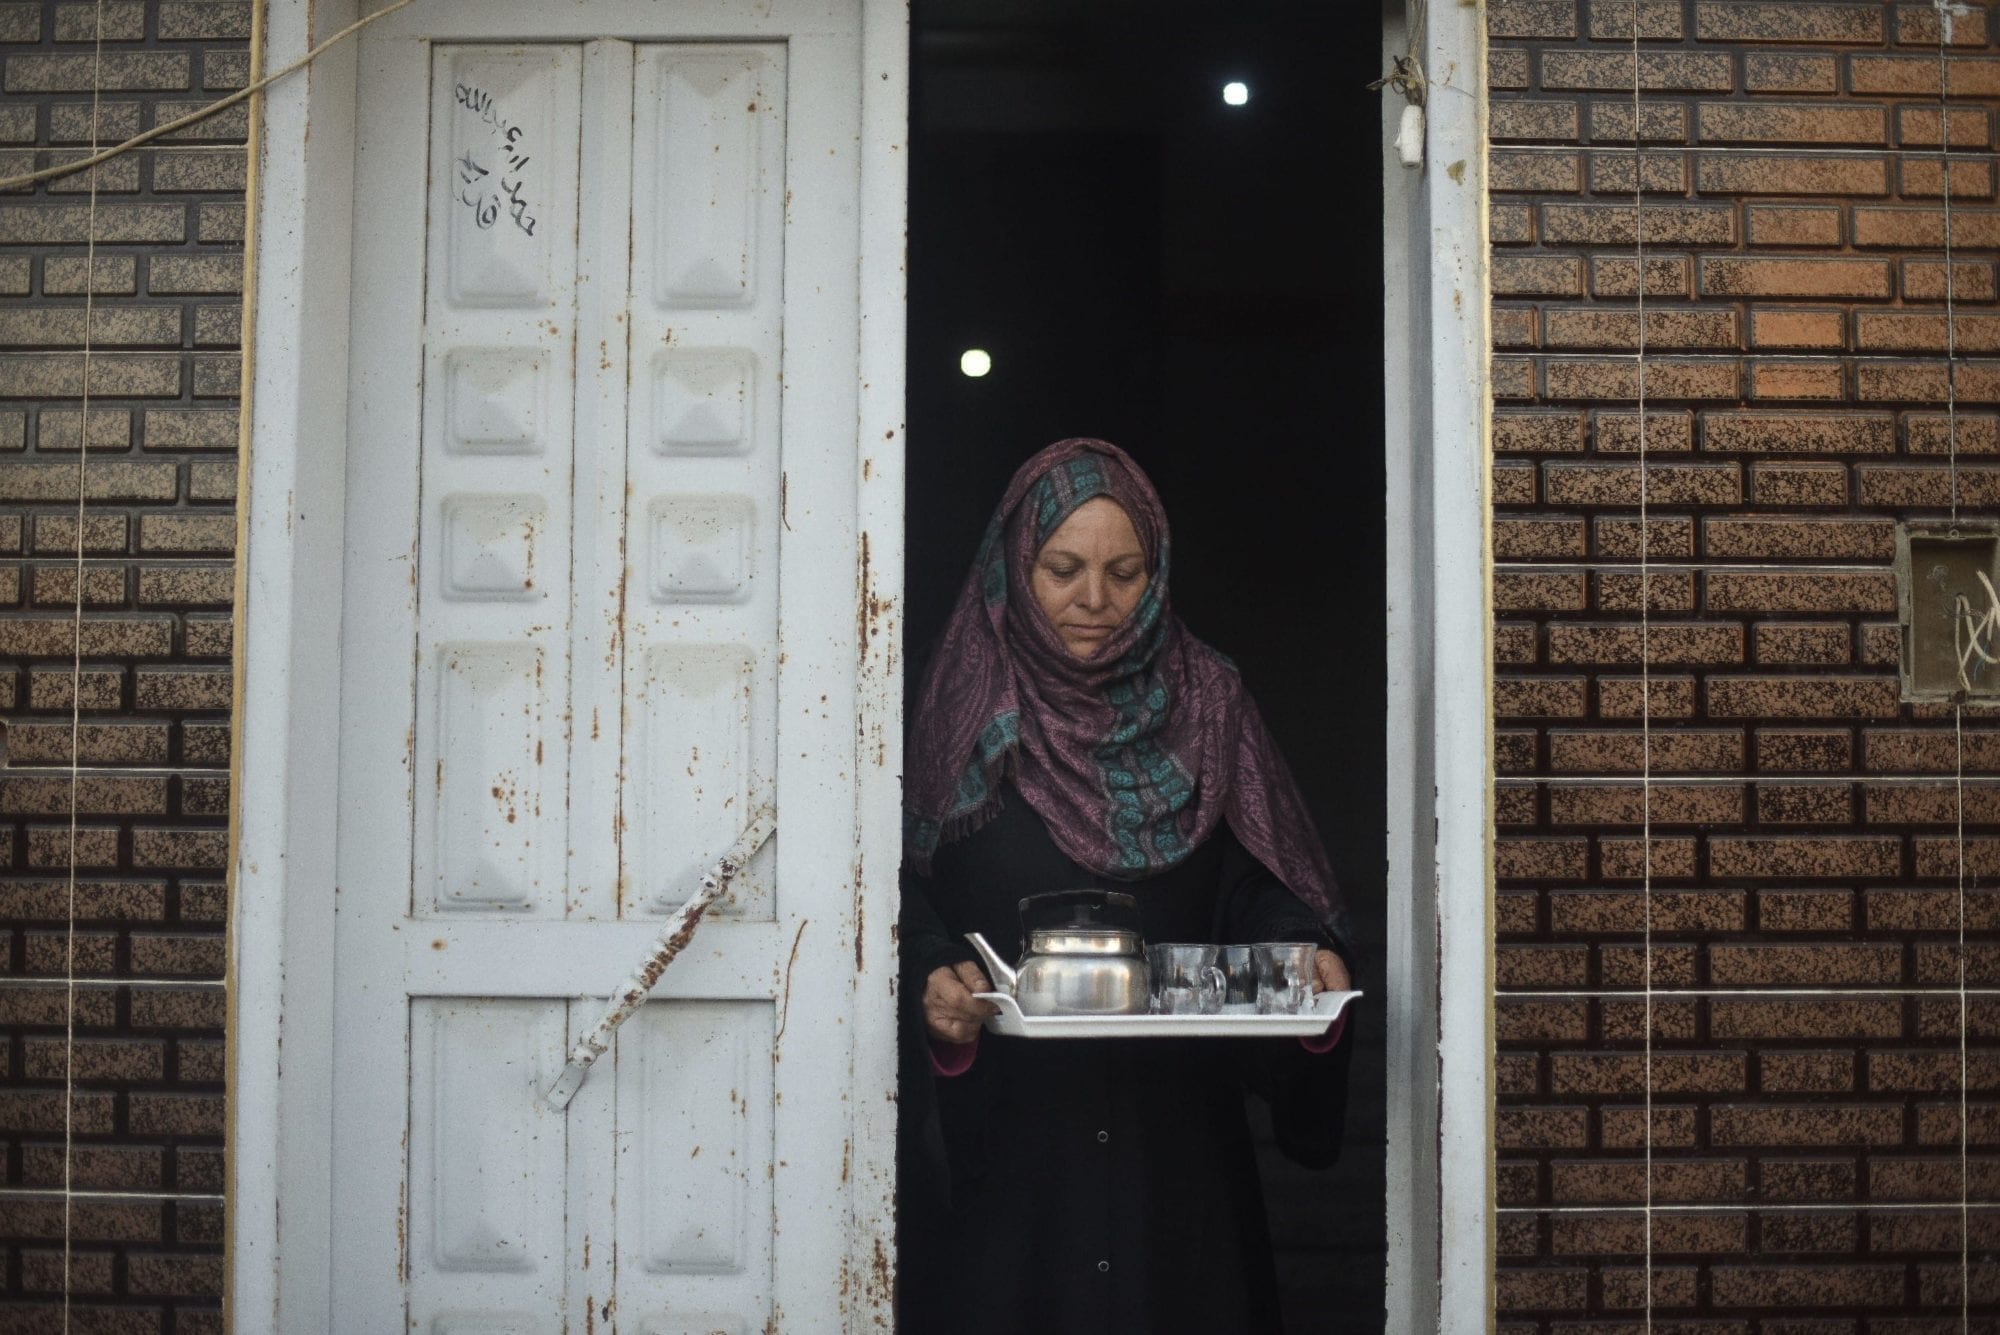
(196, 116)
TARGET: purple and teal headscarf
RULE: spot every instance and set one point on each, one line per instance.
(1131, 757)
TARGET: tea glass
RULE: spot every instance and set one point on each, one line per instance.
(1284, 977)
(1185, 979)
(1239, 973)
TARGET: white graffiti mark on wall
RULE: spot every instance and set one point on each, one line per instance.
(480, 189)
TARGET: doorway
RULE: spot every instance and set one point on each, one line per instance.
(1195, 273)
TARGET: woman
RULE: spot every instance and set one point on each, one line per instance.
(1071, 732)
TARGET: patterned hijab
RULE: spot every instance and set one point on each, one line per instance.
(1131, 757)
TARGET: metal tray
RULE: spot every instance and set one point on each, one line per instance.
(1327, 1007)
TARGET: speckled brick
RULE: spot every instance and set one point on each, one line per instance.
(1658, 695)
(1761, 123)
(1618, 276)
(1797, 433)
(1799, 591)
(1803, 697)
(1665, 536)
(1781, 750)
(1785, 644)
(1625, 858)
(1667, 431)
(171, 689)
(1657, 71)
(1622, 225)
(1918, 75)
(1804, 857)
(1824, 803)
(1670, 643)
(1723, 276)
(1936, 750)
(1706, 750)
(1619, 484)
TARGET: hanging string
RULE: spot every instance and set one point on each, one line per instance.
(76, 684)
(196, 116)
(1962, 622)
(1645, 657)
(1406, 72)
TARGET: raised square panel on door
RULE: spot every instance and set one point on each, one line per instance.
(486, 1166)
(496, 400)
(716, 131)
(506, 177)
(705, 513)
(705, 749)
(705, 402)
(694, 1131)
(485, 825)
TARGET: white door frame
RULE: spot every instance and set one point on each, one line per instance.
(288, 667)
(1439, 985)
(1439, 981)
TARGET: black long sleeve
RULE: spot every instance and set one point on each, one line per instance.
(1306, 1091)
(927, 944)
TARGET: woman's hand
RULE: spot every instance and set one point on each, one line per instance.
(951, 1013)
(1328, 973)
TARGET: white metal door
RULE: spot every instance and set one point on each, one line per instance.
(605, 592)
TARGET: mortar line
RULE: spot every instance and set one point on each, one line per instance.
(1663, 149)
(18, 981)
(1785, 1207)
(90, 1194)
(1852, 991)
(1783, 408)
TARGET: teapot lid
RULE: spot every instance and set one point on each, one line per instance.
(1085, 910)
(1085, 941)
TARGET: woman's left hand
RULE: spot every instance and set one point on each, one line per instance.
(1329, 974)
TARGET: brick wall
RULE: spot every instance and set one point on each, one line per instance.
(1805, 905)
(159, 485)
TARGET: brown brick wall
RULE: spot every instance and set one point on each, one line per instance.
(164, 293)
(1805, 908)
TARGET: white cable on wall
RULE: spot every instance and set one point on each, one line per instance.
(76, 684)
(1645, 660)
(1945, 12)
(194, 117)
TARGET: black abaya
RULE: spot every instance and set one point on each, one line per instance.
(1086, 1186)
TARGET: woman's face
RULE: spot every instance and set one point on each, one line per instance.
(1089, 575)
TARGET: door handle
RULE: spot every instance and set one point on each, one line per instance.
(673, 937)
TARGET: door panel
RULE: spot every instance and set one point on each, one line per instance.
(705, 460)
(602, 611)
(494, 539)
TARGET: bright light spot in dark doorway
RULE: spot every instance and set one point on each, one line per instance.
(975, 362)
(1236, 93)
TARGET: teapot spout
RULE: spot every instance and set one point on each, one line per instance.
(1001, 972)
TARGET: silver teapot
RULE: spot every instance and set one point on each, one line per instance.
(1078, 962)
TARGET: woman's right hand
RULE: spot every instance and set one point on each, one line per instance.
(951, 1013)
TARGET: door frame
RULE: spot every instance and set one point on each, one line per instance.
(291, 507)
(1438, 985)
(1438, 989)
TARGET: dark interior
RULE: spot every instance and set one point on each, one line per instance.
(1202, 284)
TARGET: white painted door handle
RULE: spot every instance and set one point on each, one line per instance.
(679, 929)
